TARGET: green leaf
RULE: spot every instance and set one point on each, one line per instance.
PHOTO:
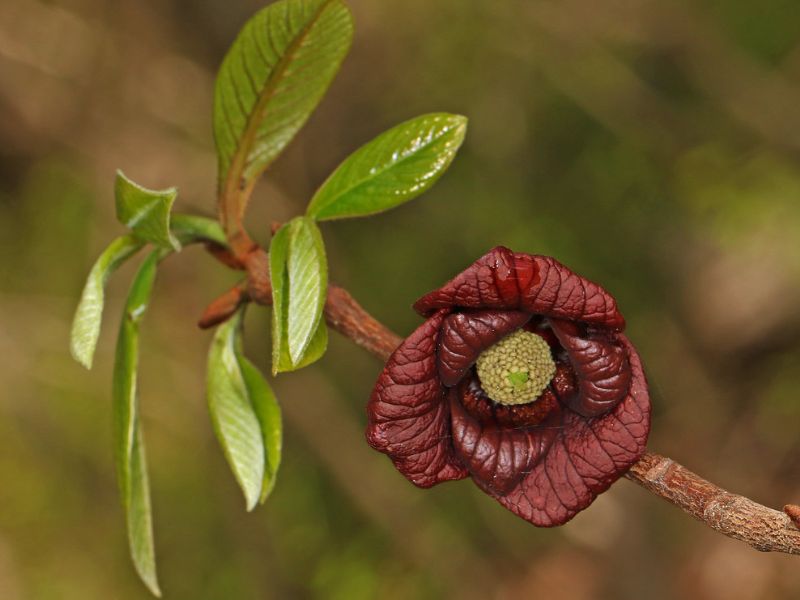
(191, 229)
(299, 274)
(307, 269)
(398, 165)
(188, 229)
(89, 314)
(316, 347)
(270, 81)
(278, 255)
(146, 212)
(233, 413)
(139, 518)
(128, 444)
(268, 413)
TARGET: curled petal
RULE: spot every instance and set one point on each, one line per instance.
(498, 457)
(502, 279)
(586, 457)
(601, 366)
(408, 416)
(465, 335)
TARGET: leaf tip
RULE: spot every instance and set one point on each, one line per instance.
(266, 492)
(147, 574)
(82, 356)
(151, 583)
(82, 344)
(461, 122)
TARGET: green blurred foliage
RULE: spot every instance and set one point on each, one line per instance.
(651, 145)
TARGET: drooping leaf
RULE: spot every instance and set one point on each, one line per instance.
(139, 518)
(268, 413)
(89, 314)
(299, 273)
(270, 81)
(233, 413)
(190, 229)
(128, 443)
(395, 167)
(146, 212)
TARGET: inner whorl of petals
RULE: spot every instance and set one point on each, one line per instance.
(517, 369)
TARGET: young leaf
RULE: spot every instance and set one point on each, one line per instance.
(89, 314)
(268, 413)
(395, 167)
(278, 255)
(139, 517)
(299, 274)
(191, 229)
(231, 403)
(146, 212)
(128, 444)
(270, 81)
(316, 348)
(308, 285)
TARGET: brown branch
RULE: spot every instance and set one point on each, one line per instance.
(347, 317)
(737, 517)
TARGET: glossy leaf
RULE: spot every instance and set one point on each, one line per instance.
(270, 81)
(89, 314)
(128, 444)
(299, 275)
(146, 212)
(395, 167)
(239, 401)
(190, 229)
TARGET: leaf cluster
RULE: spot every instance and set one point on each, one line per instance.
(272, 78)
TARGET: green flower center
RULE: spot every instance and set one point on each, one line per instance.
(517, 369)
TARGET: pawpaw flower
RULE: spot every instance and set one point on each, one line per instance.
(520, 378)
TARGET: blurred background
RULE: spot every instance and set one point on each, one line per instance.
(651, 145)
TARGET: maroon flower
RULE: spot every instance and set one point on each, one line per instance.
(520, 378)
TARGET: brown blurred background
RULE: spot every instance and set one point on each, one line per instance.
(652, 145)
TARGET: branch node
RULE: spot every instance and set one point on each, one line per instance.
(658, 472)
(224, 307)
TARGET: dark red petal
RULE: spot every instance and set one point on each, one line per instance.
(466, 335)
(587, 456)
(497, 457)
(408, 416)
(516, 281)
(600, 364)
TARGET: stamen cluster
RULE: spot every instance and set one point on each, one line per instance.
(517, 369)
